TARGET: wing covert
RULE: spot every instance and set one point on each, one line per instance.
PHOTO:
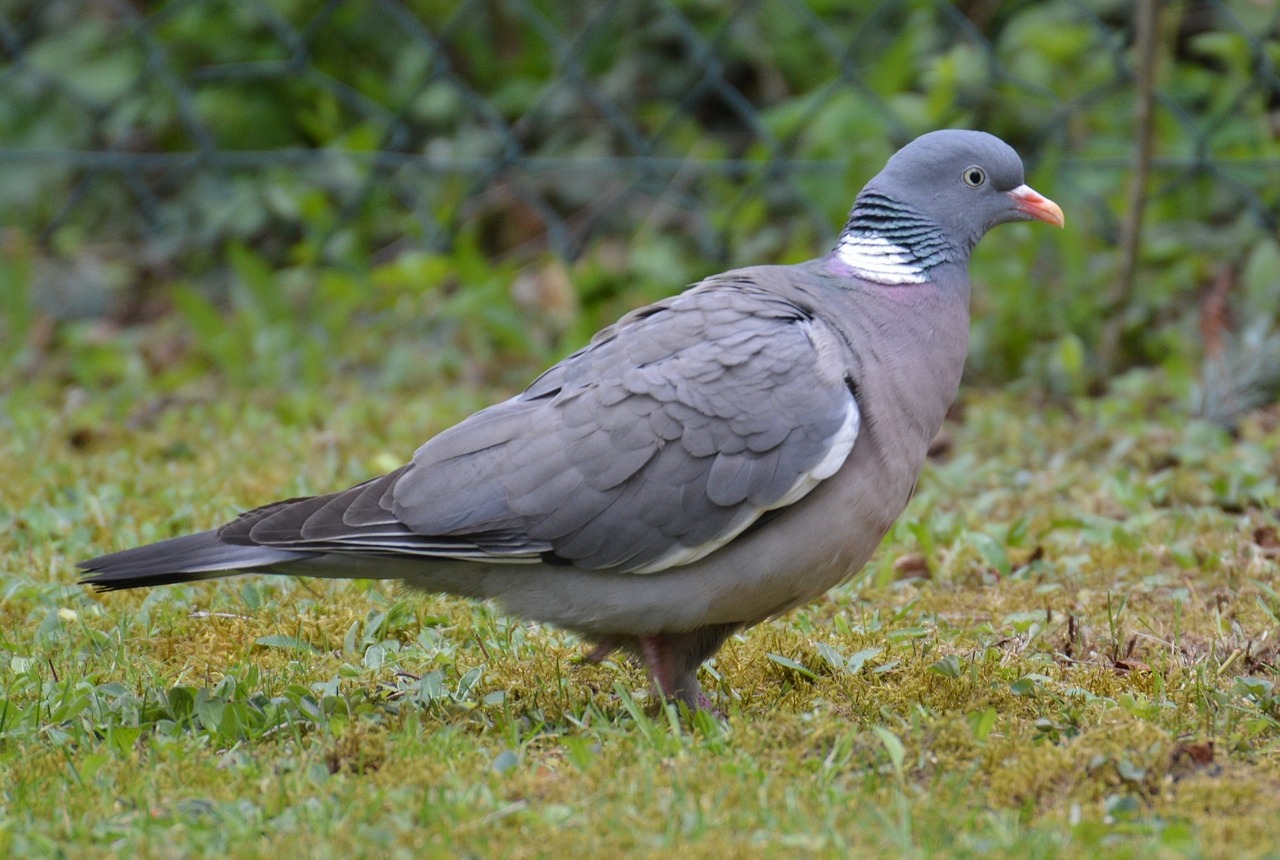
(679, 427)
(655, 445)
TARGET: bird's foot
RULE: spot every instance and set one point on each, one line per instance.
(705, 704)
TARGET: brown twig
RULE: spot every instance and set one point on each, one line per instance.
(1146, 28)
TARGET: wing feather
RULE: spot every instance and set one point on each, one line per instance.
(660, 442)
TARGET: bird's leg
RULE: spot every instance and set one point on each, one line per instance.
(669, 676)
(604, 648)
(673, 660)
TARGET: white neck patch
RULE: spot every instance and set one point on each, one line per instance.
(877, 259)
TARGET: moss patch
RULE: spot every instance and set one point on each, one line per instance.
(1081, 655)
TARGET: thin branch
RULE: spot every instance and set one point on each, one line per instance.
(1146, 29)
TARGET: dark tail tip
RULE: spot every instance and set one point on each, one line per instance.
(189, 558)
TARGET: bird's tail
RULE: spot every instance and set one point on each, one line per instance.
(190, 558)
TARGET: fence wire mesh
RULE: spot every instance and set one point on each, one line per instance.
(344, 132)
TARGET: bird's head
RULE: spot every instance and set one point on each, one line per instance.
(968, 181)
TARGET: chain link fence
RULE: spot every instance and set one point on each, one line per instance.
(138, 141)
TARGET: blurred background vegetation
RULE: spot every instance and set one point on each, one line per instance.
(273, 194)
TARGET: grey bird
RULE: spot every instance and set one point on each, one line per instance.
(706, 463)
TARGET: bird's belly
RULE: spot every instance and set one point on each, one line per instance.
(793, 558)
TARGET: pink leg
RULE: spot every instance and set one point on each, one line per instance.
(656, 653)
(673, 659)
(603, 649)
(674, 671)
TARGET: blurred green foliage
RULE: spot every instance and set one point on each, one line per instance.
(321, 201)
(285, 190)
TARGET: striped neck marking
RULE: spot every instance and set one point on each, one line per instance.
(875, 258)
(889, 242)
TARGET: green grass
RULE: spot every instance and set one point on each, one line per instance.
(1099, 604)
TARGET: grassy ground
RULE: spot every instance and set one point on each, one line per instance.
(1068, 645)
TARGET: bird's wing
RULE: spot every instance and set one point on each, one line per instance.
(658, 443)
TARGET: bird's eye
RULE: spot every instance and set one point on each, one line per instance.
(974, 176)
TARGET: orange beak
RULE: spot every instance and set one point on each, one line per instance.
(1032, 203)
